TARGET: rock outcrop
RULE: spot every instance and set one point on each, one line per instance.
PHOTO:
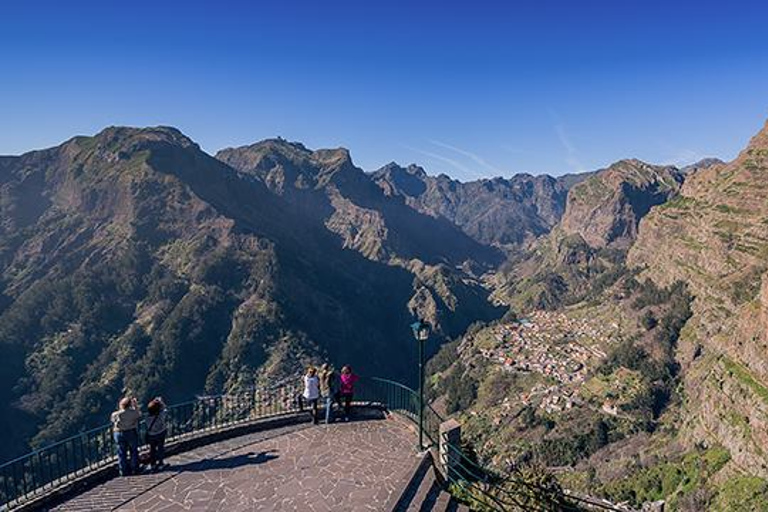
(506, 211)
(714, 236)
(605, 209)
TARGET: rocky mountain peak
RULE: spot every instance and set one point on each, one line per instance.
(393, 169)
(127, 136)
(704, 163)
(278, 161)
(760, 140)
(395, 179)
(606, 208)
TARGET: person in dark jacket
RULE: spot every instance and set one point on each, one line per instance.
(157, 429)
(329, 389)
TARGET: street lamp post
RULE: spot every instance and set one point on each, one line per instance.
(421, 334)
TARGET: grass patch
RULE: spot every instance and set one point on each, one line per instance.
(679, 203)
(724, 208)
(670, 479)
(745, 377)
(741, 493)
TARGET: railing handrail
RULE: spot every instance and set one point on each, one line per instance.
(213, 412)
(53, 445)
(108, 425)
(427, 406)
(482, 474)
(60, 462)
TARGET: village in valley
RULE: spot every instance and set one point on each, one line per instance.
(562, 349)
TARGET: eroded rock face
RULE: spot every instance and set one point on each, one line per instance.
(714, 236)
(606, 208)
(329, 186)
(499, 210)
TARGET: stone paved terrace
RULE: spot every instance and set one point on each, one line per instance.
(353, 466)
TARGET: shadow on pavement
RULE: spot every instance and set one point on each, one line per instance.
(236, 461)
(357, 414)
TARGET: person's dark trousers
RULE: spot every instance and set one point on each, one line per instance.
(347, 399)
(127, 442)
(156, 448)
(313, 406)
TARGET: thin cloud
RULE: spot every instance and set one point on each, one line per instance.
(684, 157)
(571, 152)
(512, 149)
(472, 156)
(680, 156)
(468, 173)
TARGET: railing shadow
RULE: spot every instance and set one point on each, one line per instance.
(80, 460)
(236, 461)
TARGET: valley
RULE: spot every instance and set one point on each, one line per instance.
(607, 327)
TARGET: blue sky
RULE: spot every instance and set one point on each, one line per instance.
(471, 89)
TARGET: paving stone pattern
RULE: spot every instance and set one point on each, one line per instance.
(355, 466)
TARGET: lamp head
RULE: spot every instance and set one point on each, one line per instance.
(420, 330)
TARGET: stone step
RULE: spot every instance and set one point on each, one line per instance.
(447, 503)
(443, 502)
(421, 500)
(409, 486)
(425, 492)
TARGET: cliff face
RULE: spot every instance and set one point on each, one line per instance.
(585, 251)
(325, 185)
(499, 210)
(606, 208)
(714, 236)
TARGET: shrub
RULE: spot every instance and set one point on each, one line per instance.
(460, 388)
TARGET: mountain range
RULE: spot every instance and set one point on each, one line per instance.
(133, 261)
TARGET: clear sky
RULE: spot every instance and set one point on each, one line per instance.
(470, 88)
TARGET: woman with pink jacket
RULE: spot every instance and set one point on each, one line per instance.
(348, 380)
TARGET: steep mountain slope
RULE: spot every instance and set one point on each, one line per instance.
(326, 183)
(585, 252)
(327, 186)
(134, 260)
(498, 210)
(714, 236)
(639, 370)
(606, 208)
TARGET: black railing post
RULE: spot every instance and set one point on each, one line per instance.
(421, 395)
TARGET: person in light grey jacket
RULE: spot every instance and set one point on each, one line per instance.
(156, 433)
(125, 428)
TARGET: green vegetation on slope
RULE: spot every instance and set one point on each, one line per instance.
(669, 480)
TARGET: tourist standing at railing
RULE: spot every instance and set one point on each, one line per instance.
(312, 391)
(348, 380)
(125, 426)
(156, 432)
(329, 389)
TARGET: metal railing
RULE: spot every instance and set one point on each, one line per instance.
(490, 491)
(403, 400)
(487, 491)
(480, 487)
(49, 467)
